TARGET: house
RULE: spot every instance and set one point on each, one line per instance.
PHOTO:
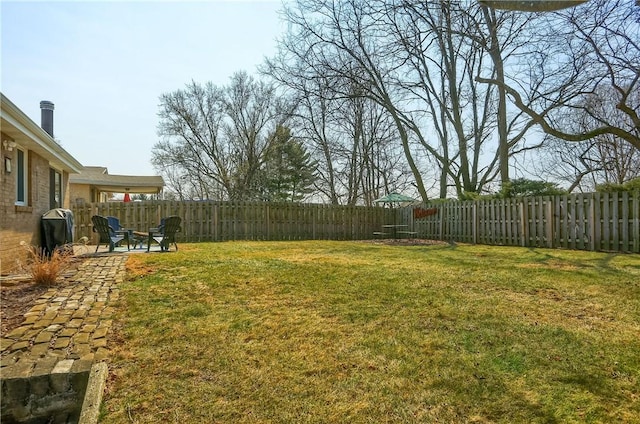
(95, 184)
(34, 178)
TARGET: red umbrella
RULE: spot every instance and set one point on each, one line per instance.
(126, 197)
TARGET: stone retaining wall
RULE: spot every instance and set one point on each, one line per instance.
(48, 390)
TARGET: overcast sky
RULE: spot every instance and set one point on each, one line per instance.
(105, 64)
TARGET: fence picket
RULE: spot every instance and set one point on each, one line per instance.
(539, 222)
(523, 223)
(615, 222)
(605, 221)
(624, 223)
(635, 210)
(580, 227)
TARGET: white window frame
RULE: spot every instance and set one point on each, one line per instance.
(25, 176)
(52, 188)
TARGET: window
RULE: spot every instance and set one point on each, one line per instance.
(21, 178)
(55, 189)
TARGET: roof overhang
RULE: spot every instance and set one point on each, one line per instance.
(120, 183)
(30, 136)
(128, 189)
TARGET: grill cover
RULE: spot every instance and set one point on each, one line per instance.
(57, 229)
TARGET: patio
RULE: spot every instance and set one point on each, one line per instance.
(61, 341)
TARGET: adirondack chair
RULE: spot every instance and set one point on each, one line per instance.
(165, 234)
(107, 233)
(114, 223)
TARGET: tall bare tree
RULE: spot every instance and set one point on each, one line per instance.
(346, 43)
(218, 136)
(449, 44)
(418, 61)
(352, 137)
(577, 54)
(604, 159)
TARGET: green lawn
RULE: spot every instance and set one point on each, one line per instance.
(354, 332)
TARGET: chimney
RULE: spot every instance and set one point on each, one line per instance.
(46, 116)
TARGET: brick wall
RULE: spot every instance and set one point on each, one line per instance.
(22, 223)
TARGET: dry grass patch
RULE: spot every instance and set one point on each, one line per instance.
(321, 332)
(136, 267)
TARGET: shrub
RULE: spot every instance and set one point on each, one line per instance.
(45, 269)
(630, 185)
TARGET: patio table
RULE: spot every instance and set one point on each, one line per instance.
(139, 237)
(132, 237)
(394, 229)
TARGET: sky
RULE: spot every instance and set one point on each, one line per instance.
(105, 64)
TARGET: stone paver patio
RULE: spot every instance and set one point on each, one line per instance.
(68, 323)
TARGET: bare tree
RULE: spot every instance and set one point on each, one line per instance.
(578, 53)
(373, 164)
(604, 159)
(418, 61)
(217, 136)
(448, 45)
(346, 43)
(352, 137)
(421, 63)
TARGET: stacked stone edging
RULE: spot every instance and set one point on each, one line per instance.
(48, 389)
(46, 360)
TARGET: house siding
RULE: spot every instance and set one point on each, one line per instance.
(80, 193)
(22, 223)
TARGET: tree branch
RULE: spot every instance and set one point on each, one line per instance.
(547, 128)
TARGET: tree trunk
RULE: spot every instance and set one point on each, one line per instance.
(498, 64)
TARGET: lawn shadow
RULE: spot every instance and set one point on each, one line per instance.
(603, 261)
(498, 402)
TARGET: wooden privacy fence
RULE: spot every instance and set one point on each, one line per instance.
(220, 221)
(594, 221)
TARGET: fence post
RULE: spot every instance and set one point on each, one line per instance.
(591, 222)
(549, 223)
(624, 229)
(597, 221)
(557, 202)
(539, 225)
(474, 212)
(523, 223)
(441, 224)
(615, 222)
(606, 221)
(636, 221)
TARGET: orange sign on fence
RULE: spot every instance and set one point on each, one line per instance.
(423, 213)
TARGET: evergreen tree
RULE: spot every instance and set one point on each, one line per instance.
(289, 172)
